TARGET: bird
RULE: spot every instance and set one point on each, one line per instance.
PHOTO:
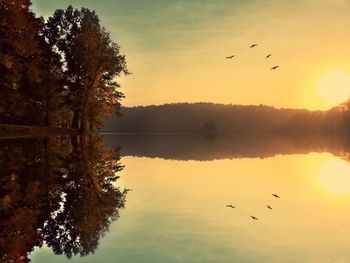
(230, 206)
(274, 67)
(254, 218)
(269, 55)
(275, 195)
(230, 57)
(253, 45)
(269, 207)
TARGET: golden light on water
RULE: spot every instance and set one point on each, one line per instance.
(335, 176)
(334, 86)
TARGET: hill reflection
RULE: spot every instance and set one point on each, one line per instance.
(221, 146)
(58, 191)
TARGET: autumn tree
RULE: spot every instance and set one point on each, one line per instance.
(103, 106)
(92, 61)
(31, 88)
(19, 52)
(58, 73)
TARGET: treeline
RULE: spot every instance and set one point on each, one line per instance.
(59, 72)
(218, 118)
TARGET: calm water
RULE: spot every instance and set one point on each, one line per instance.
(176, 210)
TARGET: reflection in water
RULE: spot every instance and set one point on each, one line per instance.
(59, 191)
(224, 146)
(335, 176)
(60, 194)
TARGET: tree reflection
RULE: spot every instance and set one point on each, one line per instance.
(59, 191)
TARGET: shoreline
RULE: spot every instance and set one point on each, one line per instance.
(11, 131)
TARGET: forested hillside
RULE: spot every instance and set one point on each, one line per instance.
(219, 118)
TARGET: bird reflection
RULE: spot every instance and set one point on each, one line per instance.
(254, 217)
(48, 185)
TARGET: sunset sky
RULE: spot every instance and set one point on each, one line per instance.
(176, 49)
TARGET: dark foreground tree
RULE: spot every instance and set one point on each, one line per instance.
(92, 61)
(20, 49)
(59, 73)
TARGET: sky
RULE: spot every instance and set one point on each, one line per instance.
(176, 49)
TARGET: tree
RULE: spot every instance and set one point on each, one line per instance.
(92, 61)
(19, 52)
(103, 106)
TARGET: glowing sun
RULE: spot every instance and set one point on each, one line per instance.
(334, 86)
(335, 176)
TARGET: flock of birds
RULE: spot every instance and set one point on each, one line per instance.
(254, 217)
(253, 46)
(273, 68)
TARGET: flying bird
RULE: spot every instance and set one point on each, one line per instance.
(269, 55)
(274, 67)
(230, 57)
(254, 218)
(275, 195)
(253, 45)
(269, 207)
(230, 206)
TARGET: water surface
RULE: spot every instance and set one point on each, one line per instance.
(176, 211)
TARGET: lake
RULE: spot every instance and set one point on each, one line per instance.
(168, 203)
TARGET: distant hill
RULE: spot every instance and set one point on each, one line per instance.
(211, 119)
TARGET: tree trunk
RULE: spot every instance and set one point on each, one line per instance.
(76, 117)
(84, 125)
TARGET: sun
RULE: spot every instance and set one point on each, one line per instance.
(335, 176)
(334, 86)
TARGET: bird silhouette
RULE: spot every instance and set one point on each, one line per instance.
(230, 206)
(269, 55)
(274, 67)
(230, 57)
(269, 207)
(275, 195)
(253, 45)
(254, 218)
